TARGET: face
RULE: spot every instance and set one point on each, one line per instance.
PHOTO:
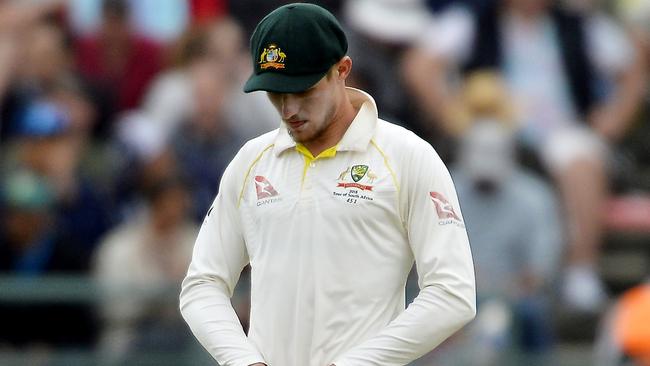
(308, 115)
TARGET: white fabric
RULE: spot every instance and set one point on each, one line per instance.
(329, 255)
(564, 147)
(169, 101)
(388, 20)
(449, 35)
(131, 260)
(535, 76)
(533, 65)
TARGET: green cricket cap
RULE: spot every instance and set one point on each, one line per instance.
(293, 47)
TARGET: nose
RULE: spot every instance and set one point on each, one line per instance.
(289, 106)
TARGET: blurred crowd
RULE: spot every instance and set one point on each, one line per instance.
(118, 117)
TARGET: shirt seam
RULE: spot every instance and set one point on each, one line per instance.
(248, 172)
(393, 175)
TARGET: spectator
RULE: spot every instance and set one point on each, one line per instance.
(218, 45)
(31, 246)
(117, 62)
(590, 72)
(42, 57)
(515, 262)
(380, 32)
(144, 157)
(204, 144)
(138, 264)
(515, 235)
(51, 148)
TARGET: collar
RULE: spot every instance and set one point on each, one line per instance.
(358, 135)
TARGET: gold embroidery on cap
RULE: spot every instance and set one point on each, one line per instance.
(272, 57)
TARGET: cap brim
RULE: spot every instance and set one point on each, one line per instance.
(281, 83)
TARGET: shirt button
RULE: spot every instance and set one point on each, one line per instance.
(313, 165)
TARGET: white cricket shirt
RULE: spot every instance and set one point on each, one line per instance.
(331, 241)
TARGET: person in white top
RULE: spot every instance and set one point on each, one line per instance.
(577, 82)
(331, 210)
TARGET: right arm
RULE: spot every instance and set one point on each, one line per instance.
(218, 259)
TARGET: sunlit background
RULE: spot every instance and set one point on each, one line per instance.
(118, 117)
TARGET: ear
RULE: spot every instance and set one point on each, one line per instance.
(343, 68)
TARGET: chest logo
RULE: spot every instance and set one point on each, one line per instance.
(264, 188)
(357, 173)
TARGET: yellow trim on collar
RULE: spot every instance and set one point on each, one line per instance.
(309, 158)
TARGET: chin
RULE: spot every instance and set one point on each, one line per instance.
(300, 137)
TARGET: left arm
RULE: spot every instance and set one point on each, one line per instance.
(612, 118)
(447, 298)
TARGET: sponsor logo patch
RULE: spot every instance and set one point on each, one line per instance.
(445, 210)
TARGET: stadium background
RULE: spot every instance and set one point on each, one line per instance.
(118, 117)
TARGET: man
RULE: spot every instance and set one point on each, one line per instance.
(576, 82)
(330, 210)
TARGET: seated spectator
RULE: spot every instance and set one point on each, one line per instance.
(30, 247)
(515, 234)
(48, 145)
(220, 45)
(380, 31)
(516, 239)
(117, 62)
(577, 81)
(42, 56)
(206, 142)
(140, 265)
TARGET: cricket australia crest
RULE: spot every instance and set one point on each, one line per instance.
(358, 172)
(272, 57)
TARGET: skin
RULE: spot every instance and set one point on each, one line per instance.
(319, 116)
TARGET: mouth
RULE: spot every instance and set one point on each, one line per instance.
(295, 124)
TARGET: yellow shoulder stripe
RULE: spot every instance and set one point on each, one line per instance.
(387, 163)
(248, 172)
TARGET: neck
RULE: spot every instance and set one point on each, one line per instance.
(341, 119)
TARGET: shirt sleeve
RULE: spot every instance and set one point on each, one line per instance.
(217, 261)
(440, 245)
